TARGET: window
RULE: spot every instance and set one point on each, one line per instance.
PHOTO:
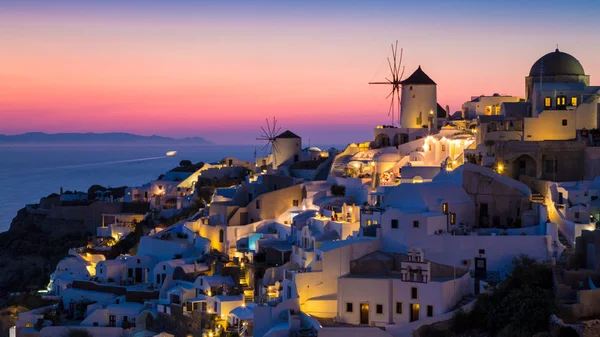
(497, 110)
(416, 224)
(576, 215)
(295, 203)
(221, 236)
(164, 267)
(138, 261)
(551, 166)
(564, 122)
(349, 307)
(379, 308)
(95, 324)
(257, 204)
(410, 88)
(443, 147)
(574, 101)
(398, 307)
(561, 100)
(395, 223)
(368, 222)
(100, 271)
(481, 251)
(414, 293)
(547, 102)
(201, 282)
(112, 320)
(430, 311)
(488, 110)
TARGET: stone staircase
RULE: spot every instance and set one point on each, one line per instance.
(243, 282)
(538, 198)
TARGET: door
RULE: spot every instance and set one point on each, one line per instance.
(138, 275)
(414, 312)
(364, 313)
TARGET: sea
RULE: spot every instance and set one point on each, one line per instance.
(30, 171)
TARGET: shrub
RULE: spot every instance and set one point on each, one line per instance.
(461, 322)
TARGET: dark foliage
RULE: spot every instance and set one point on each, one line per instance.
(78, 333)
(185, 163)
(520, 306)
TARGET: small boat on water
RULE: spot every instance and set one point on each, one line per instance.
(171, 153)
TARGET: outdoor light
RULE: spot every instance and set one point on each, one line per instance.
(452, 218)
(500, 168)
(445, 208)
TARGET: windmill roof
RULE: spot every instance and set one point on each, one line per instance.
(418, 77)
(287, 134)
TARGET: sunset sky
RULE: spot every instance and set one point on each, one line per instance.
(216, 69)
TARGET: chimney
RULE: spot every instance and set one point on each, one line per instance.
(61, 191)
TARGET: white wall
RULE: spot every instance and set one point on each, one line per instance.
(548, 126)
(418, 100)
(452, 249)
(443, 296)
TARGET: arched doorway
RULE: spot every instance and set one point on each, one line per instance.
(524, 165)
(400, 138)
(144, 321)
(382, 140)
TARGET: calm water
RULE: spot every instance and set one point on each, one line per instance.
(29, 172)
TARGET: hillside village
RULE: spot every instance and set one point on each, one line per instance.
(387, 237)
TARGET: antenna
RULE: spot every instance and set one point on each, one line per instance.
(397, 70)
(268, 135)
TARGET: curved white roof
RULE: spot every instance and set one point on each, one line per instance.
(245, 313)
(456, 176)
(419, 197)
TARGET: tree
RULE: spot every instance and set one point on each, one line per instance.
(185, 163)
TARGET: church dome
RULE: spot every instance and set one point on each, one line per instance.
(555, 64)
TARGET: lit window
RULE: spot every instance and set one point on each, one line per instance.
(488, 110)
(547, 102)
(497, 110)
(574, 101)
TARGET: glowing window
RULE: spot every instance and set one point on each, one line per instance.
(547, 102)
(574, 101)
(497, 109)
(488, 110)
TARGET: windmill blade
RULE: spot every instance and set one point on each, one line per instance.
(275, 147)
(276, 133)
(268, 128)
(265, 134)
(391, 68)
(395, 71)
(390, 94)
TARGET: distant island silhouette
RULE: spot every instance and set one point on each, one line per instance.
(34, 137)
